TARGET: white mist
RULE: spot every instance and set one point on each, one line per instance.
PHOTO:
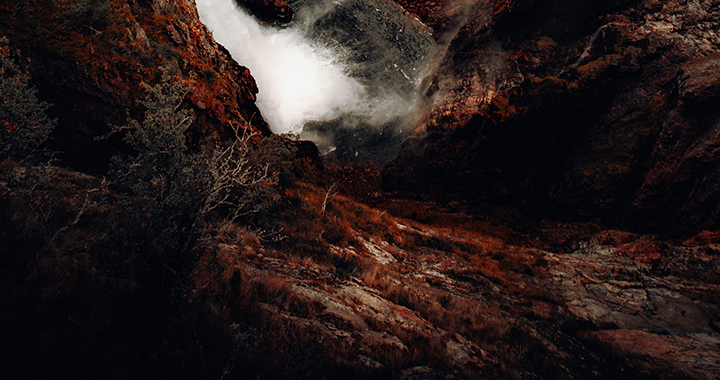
(298, 80)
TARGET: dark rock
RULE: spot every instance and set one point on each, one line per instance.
(595, 110)
(93, 76)
(269, 10)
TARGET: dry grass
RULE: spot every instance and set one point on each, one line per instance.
(231, 285)
(333, 242)
(457, 314)
(487, 256)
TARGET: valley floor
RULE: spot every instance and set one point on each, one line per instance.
(355, 291)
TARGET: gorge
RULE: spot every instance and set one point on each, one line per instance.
(360, 189)
(338, 69)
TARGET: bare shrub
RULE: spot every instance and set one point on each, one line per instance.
(232, 177)
(193, 190)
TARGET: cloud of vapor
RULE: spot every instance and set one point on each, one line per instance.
(345, 74)
(298, 79)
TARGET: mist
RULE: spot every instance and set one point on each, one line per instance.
(298, 80)
(346, 74)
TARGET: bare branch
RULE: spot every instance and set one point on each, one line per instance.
(329, 193)
(230, 169)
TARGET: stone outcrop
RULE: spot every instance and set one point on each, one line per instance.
(602, 110)
(653, 304)
(90, 60)
(654, 301)
(269, 10)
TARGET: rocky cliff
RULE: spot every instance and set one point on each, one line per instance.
(240, 258)
(601, 111)
(90, 58)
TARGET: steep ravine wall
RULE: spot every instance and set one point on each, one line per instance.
(90, 58)
(603, 111)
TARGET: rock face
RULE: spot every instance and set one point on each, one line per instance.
(615, 112)
(90, 59)
(603, 110)
(269, 10)
(652, 300)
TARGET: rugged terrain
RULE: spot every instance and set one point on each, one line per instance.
(90, 58)
(601, 111)
(553, 215)
(346, 291)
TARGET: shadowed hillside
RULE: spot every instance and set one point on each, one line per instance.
(552, 214)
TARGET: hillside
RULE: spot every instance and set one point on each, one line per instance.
(551, 214)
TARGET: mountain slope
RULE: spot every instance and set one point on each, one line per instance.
(214, 249)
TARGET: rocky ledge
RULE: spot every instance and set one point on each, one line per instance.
(269, 10)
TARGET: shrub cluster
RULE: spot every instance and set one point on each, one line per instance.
(24, 124)
(191, 189)
(89, 14)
